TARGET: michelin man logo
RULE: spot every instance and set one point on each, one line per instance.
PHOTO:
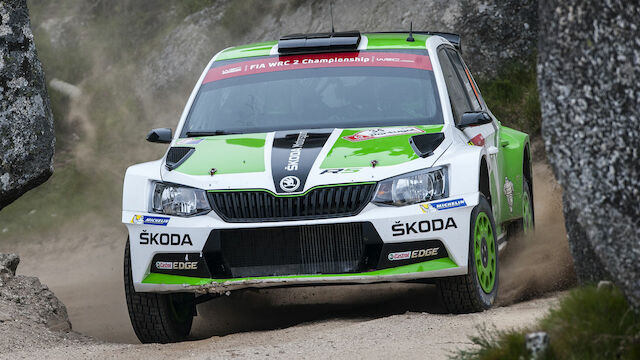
(508, 192)
(137, 219)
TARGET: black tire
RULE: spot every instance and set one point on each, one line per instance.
(464, 294)
(157, 318)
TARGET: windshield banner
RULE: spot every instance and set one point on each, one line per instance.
(310, 61)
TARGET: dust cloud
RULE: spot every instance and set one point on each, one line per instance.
(540, 263)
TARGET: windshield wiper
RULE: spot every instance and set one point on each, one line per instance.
(209, 133)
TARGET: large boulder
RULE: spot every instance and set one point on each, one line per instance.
(588, 70)
(26, 122)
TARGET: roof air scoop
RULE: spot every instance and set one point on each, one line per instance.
(320, 42)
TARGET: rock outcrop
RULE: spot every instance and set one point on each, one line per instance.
(588, 66)
(26, 122)
(24, 298)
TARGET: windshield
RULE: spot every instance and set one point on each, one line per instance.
(345, 90)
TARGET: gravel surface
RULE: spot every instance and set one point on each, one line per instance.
(412, 335)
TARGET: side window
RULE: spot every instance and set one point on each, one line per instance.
(466, 80)
(457, 93)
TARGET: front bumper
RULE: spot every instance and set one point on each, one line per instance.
(179, 254)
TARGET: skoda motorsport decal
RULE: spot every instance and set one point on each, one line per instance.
(424, 226)
(293, 155)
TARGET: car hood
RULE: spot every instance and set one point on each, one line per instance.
(293, 161)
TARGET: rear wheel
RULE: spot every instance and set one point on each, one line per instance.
(157, 318)
(477, 290)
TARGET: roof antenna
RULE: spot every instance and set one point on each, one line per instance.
(410, 38)
(331, 12)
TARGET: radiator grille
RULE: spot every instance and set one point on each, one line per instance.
(326, 202)
(293, 250)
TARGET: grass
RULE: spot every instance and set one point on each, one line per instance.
(589, 323)
(513, 98)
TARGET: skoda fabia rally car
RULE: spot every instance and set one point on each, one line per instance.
(337, 158)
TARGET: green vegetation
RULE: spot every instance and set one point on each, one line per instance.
(589, 323)
(512, 96)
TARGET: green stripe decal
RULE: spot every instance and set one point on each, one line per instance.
(432, 265)
(395, 41)
(390, 150)
(244, 51)
(228, 154)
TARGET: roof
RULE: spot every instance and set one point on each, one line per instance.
(375, 41)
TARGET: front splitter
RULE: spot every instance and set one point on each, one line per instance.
(428, 269)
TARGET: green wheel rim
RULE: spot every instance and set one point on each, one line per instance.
(527, 214)
(484, 247)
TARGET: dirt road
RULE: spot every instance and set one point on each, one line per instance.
(412, 335)
(373, 321)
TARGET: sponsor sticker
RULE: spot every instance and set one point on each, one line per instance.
(166, 265)
(150, 220)
(177, 265)
(413, 254)
(449, 204)
(188, 141)
(382, 132)
(477, 140)
(404, 255)
(314, 61)
(508, 192)
(339, 171)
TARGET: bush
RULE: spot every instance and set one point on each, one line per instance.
(587, 324)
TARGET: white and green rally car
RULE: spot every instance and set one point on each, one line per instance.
(338, 158)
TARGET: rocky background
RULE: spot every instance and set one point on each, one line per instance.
(588, 71)
(26, 122)
(118, 68)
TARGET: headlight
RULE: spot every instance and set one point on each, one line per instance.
(413, 188)
(177, 200)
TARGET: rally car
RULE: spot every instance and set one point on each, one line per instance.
(334, 158)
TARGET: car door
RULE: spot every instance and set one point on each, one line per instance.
(465, 97)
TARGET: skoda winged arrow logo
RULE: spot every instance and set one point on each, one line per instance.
(289, 183)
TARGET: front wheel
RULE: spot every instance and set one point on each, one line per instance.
(477, 290)
(157, 318)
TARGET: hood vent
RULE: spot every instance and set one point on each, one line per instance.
(424, 145)
(177, 155)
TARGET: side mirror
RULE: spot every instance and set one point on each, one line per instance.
(161, 135)
(474, 119)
